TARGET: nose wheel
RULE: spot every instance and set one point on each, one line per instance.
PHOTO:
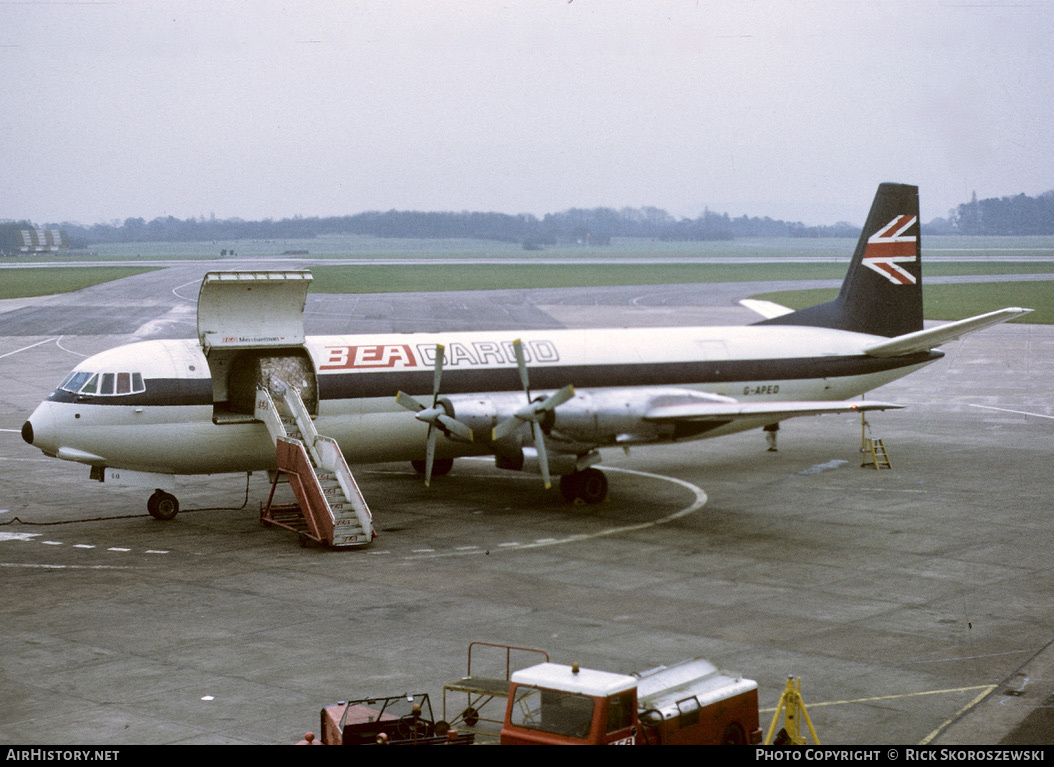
(162, 506)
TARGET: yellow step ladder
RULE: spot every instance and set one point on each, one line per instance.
(874, 452)
(879, 458)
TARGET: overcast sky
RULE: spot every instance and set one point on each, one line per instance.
(253, 109)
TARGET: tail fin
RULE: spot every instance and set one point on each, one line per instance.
(882, 292)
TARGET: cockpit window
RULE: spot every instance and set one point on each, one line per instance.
(103, 384)
(74, 381)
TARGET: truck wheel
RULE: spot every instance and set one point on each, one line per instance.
(162, 506)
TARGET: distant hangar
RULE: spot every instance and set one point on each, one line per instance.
(42, 240)
(16, 238)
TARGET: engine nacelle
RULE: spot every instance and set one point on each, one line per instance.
(589, 419)
(616, 416)
(482, 414)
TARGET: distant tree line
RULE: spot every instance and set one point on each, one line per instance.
(10, 239)
(595, 226)
(1020, 215)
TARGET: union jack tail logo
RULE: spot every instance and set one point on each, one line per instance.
(889, 246)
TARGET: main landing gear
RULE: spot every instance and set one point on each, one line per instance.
(162, 506)
(440, 467)
(588, 486)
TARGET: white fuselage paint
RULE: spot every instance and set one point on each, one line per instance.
(184, 439)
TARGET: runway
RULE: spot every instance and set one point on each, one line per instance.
(908, 600)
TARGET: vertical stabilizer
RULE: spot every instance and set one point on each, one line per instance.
(882, 292)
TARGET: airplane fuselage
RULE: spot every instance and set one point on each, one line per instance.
(171, 416)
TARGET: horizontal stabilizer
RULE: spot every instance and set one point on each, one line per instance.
(925, 340)
(767, 309)
(775, 410)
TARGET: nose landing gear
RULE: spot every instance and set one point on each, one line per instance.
(162, 506)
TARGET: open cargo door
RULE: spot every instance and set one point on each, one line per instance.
(252, 310)
(251, 327)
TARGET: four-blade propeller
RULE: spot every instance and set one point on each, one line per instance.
(435, 416)
(533, 413)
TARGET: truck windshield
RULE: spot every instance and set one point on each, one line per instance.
(561, 713)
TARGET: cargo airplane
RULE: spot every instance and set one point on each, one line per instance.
(543, 401)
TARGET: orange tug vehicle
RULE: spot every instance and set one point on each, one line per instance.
(553, 704)
(688, 703)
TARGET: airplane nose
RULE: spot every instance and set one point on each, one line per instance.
(39, 429)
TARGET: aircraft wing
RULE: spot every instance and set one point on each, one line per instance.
(925, 340)
(725, 412)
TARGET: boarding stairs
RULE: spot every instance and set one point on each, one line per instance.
(329, 507)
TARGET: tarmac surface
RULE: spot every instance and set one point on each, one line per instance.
(914, 603)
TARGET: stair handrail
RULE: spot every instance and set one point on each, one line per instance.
(264, 410)
(300, 414)
(332, 459)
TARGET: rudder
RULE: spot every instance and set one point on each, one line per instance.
(882, 291)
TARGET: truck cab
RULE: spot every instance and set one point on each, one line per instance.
(687, 703)
(554, 704)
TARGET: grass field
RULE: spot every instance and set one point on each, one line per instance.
(954, 302)
(45, 281)
(393, 278)
(358, 246)
(974, 257)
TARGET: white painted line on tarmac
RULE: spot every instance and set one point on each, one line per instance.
(697, 503)
(58, 343)
(196, 283)
(24, 348)
(985, 690)
(30, 536)
(1018, 412)
(18, 536)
